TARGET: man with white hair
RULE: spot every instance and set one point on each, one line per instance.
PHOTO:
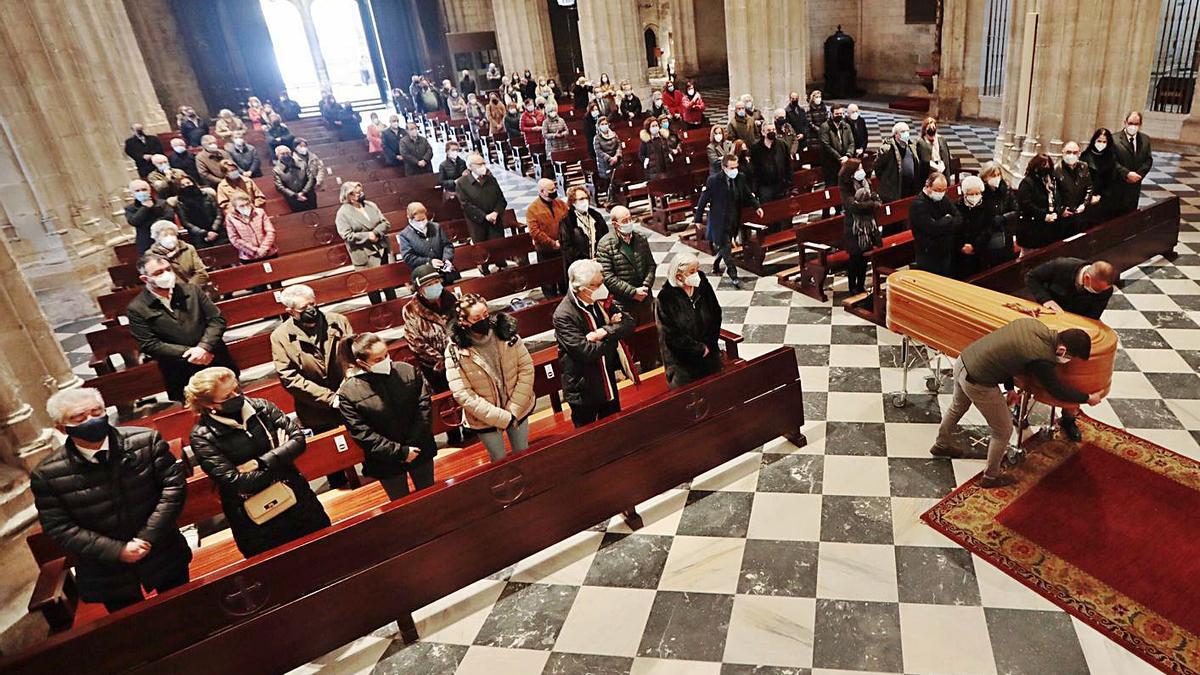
(624, 255)
(858, 127)
(208, 161)
(588, 338)
(1074, 181)
(109, 496)
(143, 212)
(415, 151)
(896, 165)
(483, 202)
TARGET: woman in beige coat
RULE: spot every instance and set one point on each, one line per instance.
(491, 375)
(363, 227)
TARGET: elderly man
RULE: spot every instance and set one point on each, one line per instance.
(1134, 161)
(424, 242)
(624, 256)
(244, 155)
(415, 151)
(183, 160)
(837, 144)
(771, 165)
(542, 218)
(858, 127)
(141, 148)
(726, 193)
(483, 202)
(936, 226)
(109, 496)
(165, 178)
(896, 165)
(742, 125)
(177, 325)
(208, 161)
(1073, 181)
(143, 212)
(296, 183)
(390, 138)
(304, 351)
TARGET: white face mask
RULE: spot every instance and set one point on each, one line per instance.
(383, 367)
(169, 242)
(1132, 129)
(165, 281)
(210, 148)
(994, 181)
(1070, 160)
(302, 151)
(854, 115)
(244, 210)
(581, 206)
(179, 149)
(162, 168)
(692, 280)
(600, 293)
(233, 175)
(731, 173)
(239, 142)
(936, 196)
(972, 200)
(860, 175)
(453, 154)
(1100, 145)
(420, 225)
(1062, 359)
(479, 171)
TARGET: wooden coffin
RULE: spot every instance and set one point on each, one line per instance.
(948, 315)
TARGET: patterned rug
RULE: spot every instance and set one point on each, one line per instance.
(1095, 528)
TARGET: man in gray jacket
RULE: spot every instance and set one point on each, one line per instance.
(244, 155)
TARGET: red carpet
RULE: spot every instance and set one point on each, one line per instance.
(1129, 527)
(1108, 530)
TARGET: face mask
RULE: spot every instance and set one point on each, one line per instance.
(691, 92)
(453, 154)
(529, 107)
(244, 210)
(383, 367)
(286, 159)
(817, 101)
(1070, 160)
(169, 242)
(731, 173)
(718, 137)
(972, 200)
(654, 130)
(581, 206)
(551, 196)
(142, 196)
(1062, 359)
(165, 281)
(931, 131)
(625, 228)
(482, 326)
(233, 175)
(604, 128)
(302, 151)
(595, 113)
(860, 175)
(741, 113)
(905, 136)
(420, 225)
(671, 88)
(432, 291)
(93, 430)
(692, 280)
(994, 182)
(179, 149)
(309, 316)
(1132, 129)
(551, 113)
(600, 293)
(512, 111)
(937, 196)
(479, 171)
(211, 148)
(854, 115)
(1100, 145)
(162, 168)
(190, 191)
(395, 126)
(666, 124)
(629, 94)
(837, 119)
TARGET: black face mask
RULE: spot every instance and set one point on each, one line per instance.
(771, 135)
(551, 197)
(191, 191)
(309, 317)
(482, 326)
(232, 407)
(93, 430)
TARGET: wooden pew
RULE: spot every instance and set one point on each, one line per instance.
(281, 609)
(1126, 240)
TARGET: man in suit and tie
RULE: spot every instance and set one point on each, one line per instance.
(726, 193)
(1134, 161)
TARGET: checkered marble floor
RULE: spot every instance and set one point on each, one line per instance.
(813, 560)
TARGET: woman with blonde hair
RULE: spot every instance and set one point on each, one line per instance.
(248, 447)
(362, 225)
(227, 124)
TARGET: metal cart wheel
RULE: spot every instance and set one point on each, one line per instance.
(933, 384)
(899, 400)
(1014, 456)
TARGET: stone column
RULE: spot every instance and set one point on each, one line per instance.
(1061, 83)
(469, 16)
(314, 43)
(683, 38)
(170, 70)
(524, 37)
(767, 41)
(612, 43)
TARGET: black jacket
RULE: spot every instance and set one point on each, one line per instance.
(136, 147)
(273, 439)
(185, 162)
(858, 127)
(142, 215)
(686, 326)
(1124, 196)
(583, 376)
(1074, 186)
(387, 415)
(573, 241)
(449, 172)
(391, 146)
(1056, 280)
(837, 141)
(1102, 168)
(479, 198)
(200, 215)
(1034, 203)
(935, 228)
(724, 204)
(772, 166)
(890, 164)
(92, 509)
(193, 130)
(165, 336)
(797, 116)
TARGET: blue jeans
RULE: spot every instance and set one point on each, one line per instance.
(493, 440)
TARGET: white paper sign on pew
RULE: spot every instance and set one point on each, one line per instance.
(549, 371)
(339, 442)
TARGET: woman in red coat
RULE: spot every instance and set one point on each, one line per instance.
(673, 99)
(693, 107)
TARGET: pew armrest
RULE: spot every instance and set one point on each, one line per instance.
(731, 341)
(54, 595)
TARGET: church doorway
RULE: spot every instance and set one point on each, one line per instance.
(321, 45)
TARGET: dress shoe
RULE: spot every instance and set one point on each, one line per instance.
(1071, 428)
(999, 480)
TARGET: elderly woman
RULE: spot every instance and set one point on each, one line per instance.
(248, 447)
(364, 228)
(387, 409)
(689, 322)
(581, 229)
(249, 229)
(491, 375)
(424, 242)
(227, 124)
(185, 262)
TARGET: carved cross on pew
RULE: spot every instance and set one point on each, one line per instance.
(508, 484)
(247, 597)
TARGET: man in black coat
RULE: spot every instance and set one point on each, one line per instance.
(1073, 285)
(110, 497)
(483, 202)
(288, 109)
(797, 116)
(391, 142)
(771, 165)
(858, 127)
(141, 147)
(452, 168)
(726, 194)
(177, 325)
(589, 349)
(180, 158)
(1074, 191)
(935, 224)
(896, 165)
(1134, 161)
(143, 212)
(837, 144)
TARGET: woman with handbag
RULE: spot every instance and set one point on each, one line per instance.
(248, 447)
(861, 234)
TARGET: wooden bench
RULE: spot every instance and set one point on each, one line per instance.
(284, 608)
